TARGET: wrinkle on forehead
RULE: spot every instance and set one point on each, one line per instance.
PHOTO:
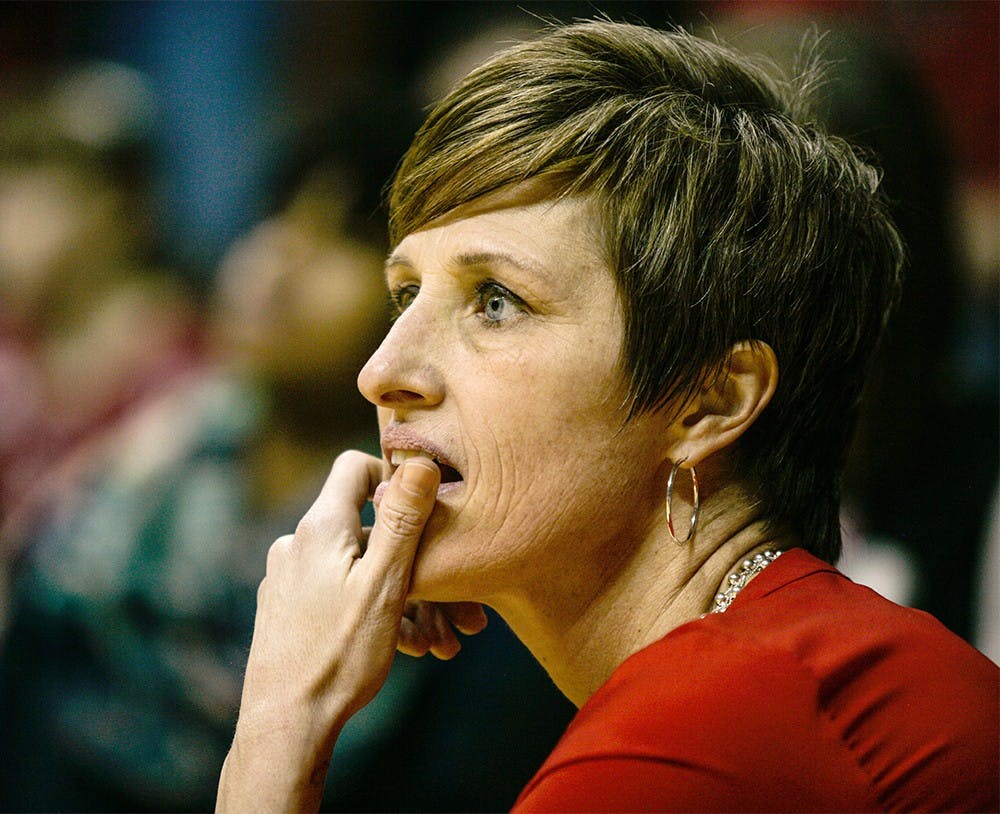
(576, 233)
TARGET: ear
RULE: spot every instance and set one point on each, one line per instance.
(731, 401)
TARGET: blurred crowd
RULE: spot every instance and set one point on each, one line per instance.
(177, 368)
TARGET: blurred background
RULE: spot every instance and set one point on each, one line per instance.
(191, 235)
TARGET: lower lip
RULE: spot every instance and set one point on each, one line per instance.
(443, 490)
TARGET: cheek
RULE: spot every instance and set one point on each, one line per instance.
(538, 504)
(582, 367)
(532, 410)
(543, 449)
(384, 415)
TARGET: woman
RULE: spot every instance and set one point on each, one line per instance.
(636, 295)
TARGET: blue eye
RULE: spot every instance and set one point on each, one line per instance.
(496, 303)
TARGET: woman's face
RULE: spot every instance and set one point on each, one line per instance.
(503, 364)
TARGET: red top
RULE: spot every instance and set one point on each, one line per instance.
(811, 693)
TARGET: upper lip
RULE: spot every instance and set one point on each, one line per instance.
(400, 436)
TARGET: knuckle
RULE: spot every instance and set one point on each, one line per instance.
(349, 458)
(278, 551)
(401, 520)
(309, 527)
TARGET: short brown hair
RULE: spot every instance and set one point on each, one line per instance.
(729, 216)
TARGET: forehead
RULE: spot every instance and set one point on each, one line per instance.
(541, 237)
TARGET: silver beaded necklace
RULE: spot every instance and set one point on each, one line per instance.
(749, 569)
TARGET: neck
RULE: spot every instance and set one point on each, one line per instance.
(582, 636)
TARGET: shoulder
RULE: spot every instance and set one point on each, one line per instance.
(685, 723)
(809, 686)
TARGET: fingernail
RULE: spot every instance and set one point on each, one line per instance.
(418, 479)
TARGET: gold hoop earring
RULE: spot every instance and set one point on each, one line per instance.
(670, 495)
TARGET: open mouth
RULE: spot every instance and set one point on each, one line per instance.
(448, 473)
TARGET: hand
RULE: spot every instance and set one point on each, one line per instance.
(429, 627)
(329, 612)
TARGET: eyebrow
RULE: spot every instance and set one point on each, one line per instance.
(397, 259)
(490, 258)
(474, 258)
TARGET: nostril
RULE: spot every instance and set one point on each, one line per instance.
(397, 397)
(401, 374)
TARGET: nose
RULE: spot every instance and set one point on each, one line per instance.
(402, 373)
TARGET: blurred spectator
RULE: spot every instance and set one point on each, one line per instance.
(133, 601)
(135, 585)
(89, 327)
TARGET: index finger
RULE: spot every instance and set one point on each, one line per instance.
(351, 482)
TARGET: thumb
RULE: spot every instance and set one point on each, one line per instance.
(407, 503)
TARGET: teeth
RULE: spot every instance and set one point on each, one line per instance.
(400, 455)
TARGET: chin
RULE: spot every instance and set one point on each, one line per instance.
(446, 568)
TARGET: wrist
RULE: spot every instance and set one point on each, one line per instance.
(278, 760)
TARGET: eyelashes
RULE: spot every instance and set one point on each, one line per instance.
(400, 299)
(494, 303)
(497, 303)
